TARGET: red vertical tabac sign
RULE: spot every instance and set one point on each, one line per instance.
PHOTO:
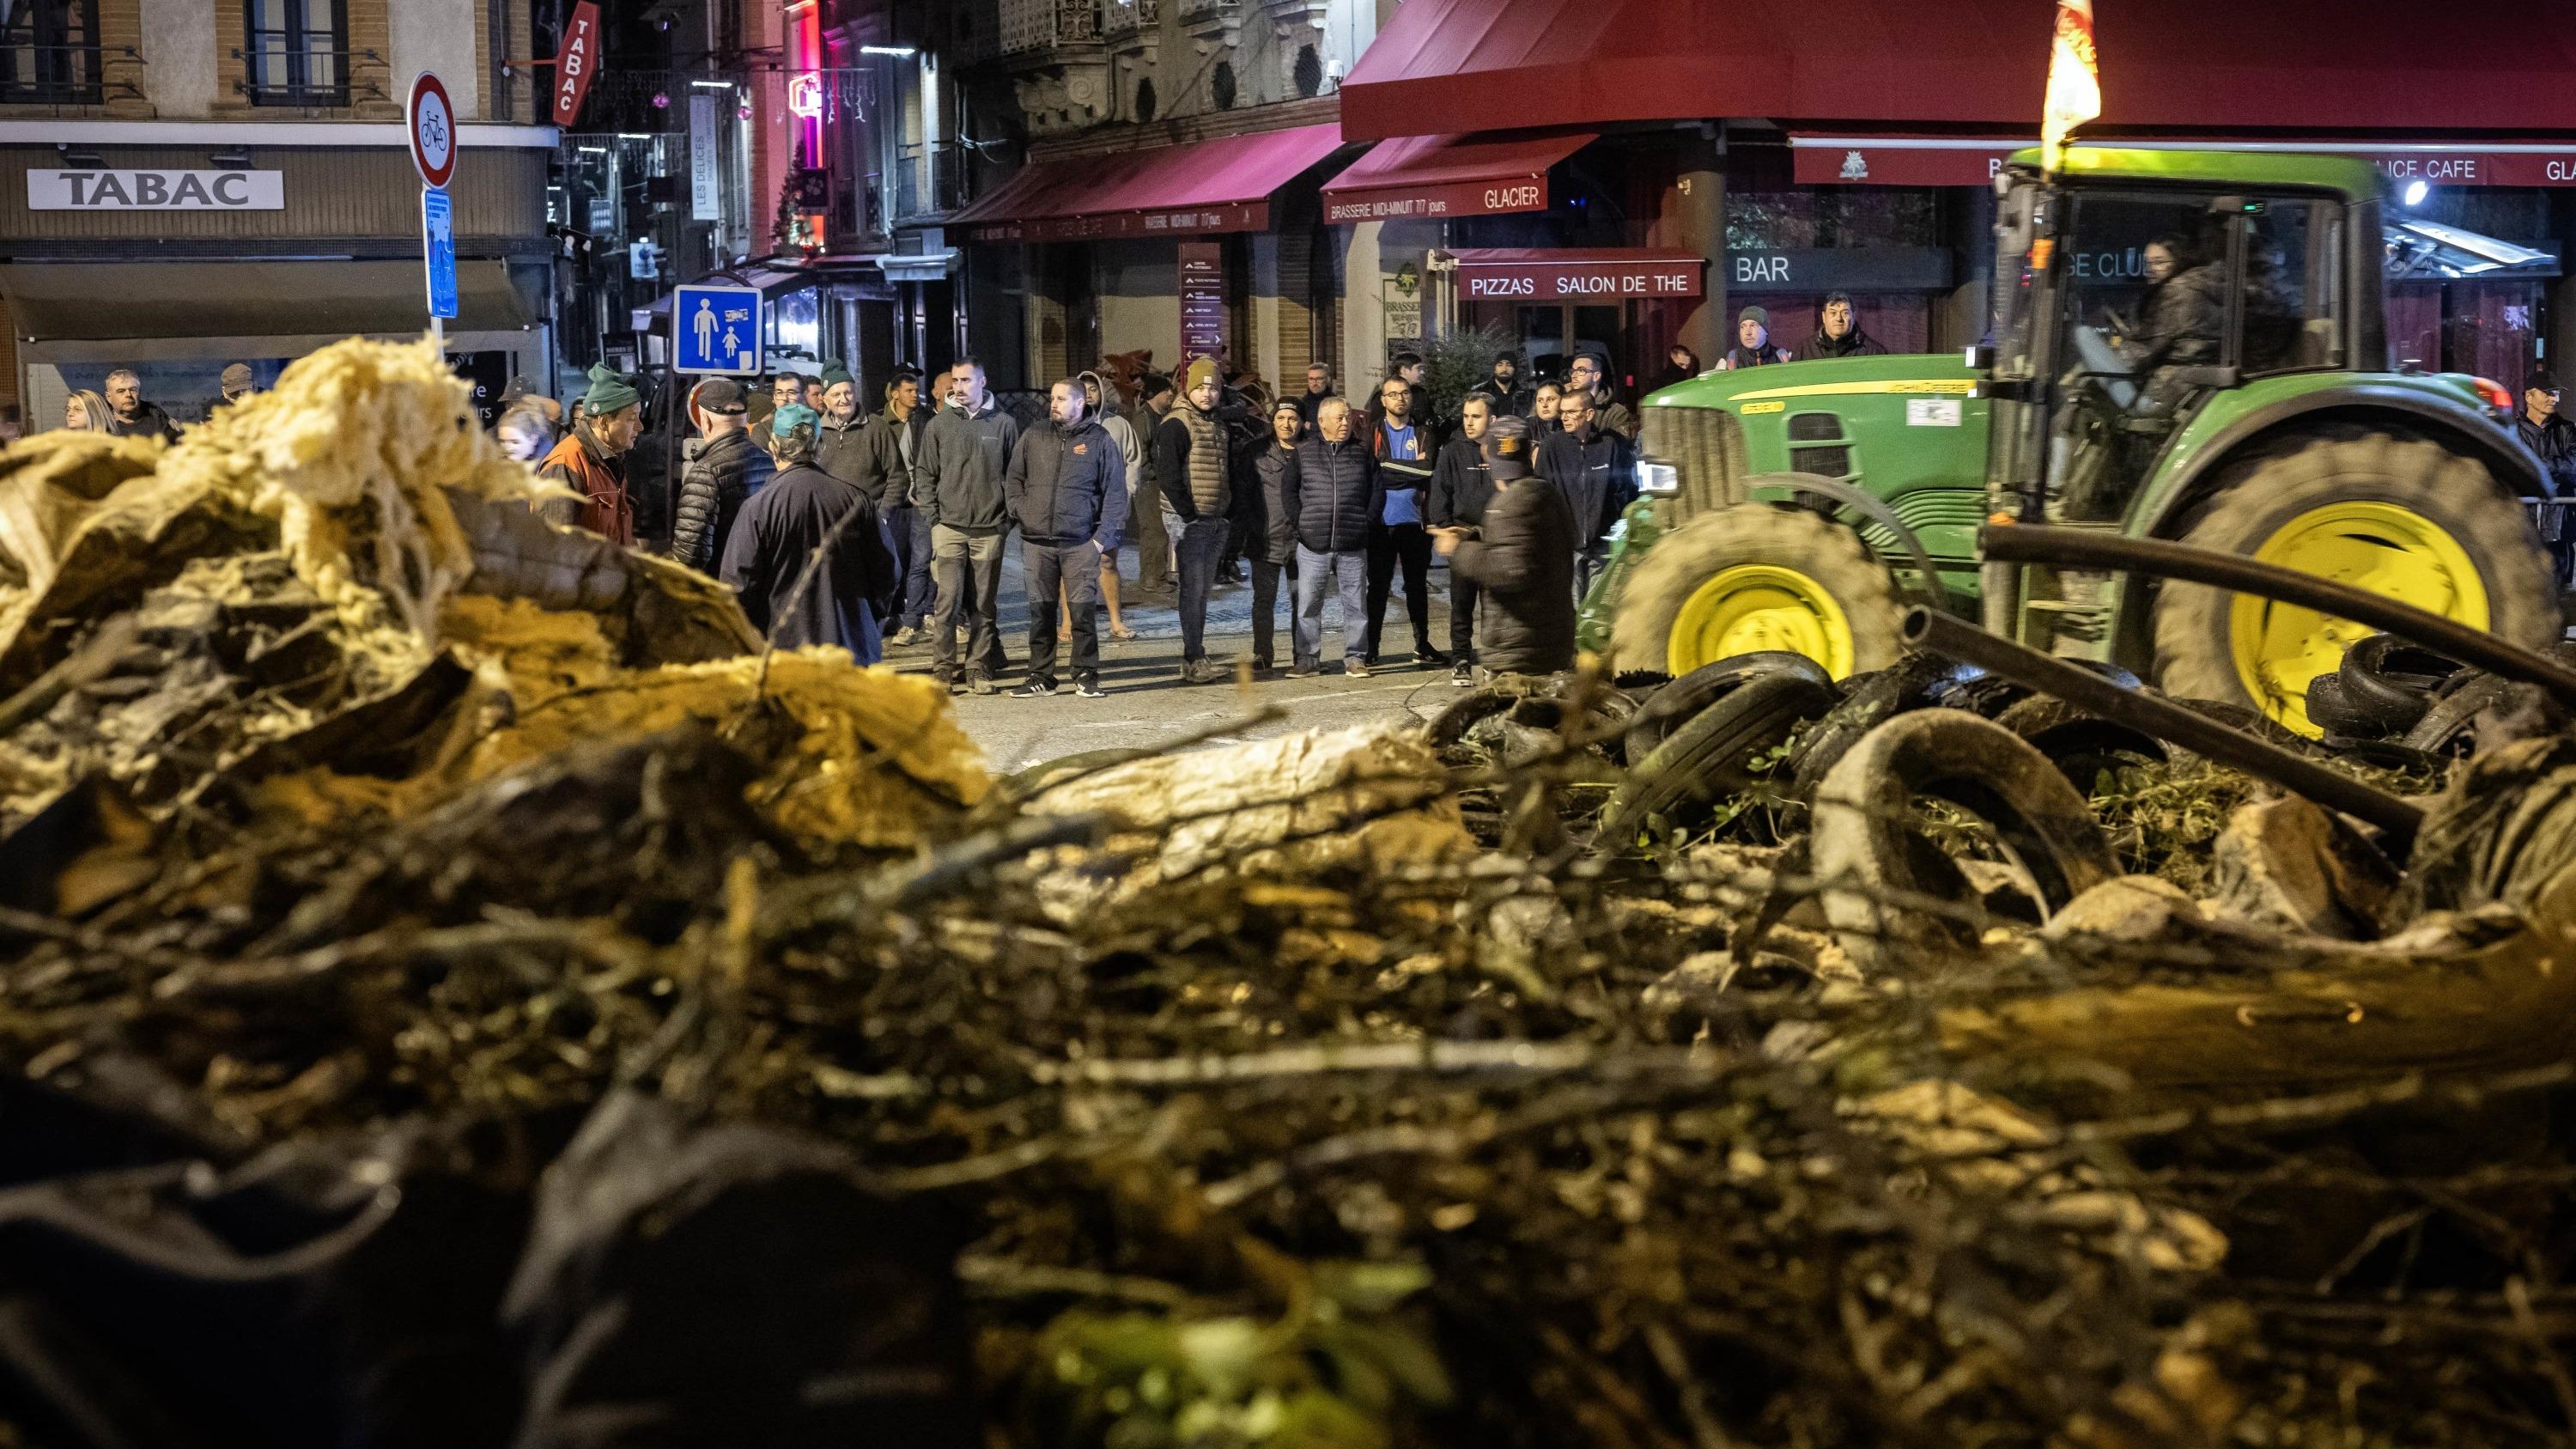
(575, 59)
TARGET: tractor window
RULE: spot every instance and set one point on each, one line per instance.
(2293, 278)
(2144, 288)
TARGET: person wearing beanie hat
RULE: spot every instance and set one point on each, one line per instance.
(1521, 560)
(841, 428)
(808, 553)
(1194, 472)
(1752, 342)
(1268, 525)
(591, 460)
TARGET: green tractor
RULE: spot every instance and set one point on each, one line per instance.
(1799, 507)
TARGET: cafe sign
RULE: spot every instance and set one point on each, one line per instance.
(99, 190)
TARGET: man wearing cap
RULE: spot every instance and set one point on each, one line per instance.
(1583, 375)
(836, 447)
(1521, 560)
(720, 470)
(590, 460)
(791, 596)
(236, 385)
(1194, 472)
(1752, 342)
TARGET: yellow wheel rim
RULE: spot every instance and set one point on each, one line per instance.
(2383, 547)
(1754, 607)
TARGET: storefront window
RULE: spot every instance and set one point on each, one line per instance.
(796, 328)
(1849, 216)
(2490, 328)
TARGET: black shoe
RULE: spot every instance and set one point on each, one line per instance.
(1034, 689)
(1089, 688)
(1427, 657)
(1462, 674)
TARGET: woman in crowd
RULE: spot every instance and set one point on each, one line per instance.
(1543, 409)
(85, 412)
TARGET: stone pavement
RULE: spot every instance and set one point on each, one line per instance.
(1147, 703)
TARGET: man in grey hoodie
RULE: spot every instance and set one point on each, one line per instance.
(958, 469)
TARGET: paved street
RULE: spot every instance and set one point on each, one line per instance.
(1148, 704)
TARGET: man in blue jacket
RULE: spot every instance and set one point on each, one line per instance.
(1067, 490)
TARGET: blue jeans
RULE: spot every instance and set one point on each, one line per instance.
(913, 551)
(1348, 570)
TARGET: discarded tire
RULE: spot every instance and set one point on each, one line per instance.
(2389, 684)
(1675, 704)
(2079, 742)
(2449, 727)
(1705, 759)
(1915, 681)
(1877, 870)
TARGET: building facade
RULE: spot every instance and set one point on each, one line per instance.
(190, 183)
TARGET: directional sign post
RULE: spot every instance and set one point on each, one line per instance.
(431, 120)
(716, 329)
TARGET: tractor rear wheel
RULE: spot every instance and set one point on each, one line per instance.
(2402, 517)
(1753, 578)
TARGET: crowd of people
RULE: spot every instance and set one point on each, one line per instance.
(883, 528)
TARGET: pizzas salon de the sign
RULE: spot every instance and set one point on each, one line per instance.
(156, 190)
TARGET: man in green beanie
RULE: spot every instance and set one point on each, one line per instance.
(590, 460)
(1752, 342)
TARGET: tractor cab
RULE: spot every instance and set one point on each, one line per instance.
(2135, 287)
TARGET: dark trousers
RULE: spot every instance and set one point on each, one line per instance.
(1265, 609)
(1153, 545)
(914, 552)
(1389, 545)
(1463, 595)
(1202, 548)
(969, 566)
(1074, 567)
(1587, 566)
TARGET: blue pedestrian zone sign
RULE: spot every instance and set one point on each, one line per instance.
(716, 329)
(438, 243)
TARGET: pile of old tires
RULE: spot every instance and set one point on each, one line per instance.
(2402, 704)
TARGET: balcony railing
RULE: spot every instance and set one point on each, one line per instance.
(313, 79)
(1125, 17)
(1195, 11)
(1031, 25)
(929, 181)
(64, 75)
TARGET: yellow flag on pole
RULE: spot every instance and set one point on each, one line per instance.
(2074, 79)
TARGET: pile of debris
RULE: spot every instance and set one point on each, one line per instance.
(463, 989)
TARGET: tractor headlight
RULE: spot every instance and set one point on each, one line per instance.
(1655, 478)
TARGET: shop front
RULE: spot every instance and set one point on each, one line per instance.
(1558, 302)
(176, 250)
(1171, 251)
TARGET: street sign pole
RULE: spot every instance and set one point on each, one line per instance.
(431, 120)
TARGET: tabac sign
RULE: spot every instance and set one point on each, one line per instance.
(100, 190)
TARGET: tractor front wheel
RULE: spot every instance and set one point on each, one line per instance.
(1752, 578)
(2402, 517)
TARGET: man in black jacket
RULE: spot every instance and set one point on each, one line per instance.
(2548, 434)
(1591, 467)
(1332, 497)
(1194, 474)
(720, 470)
(1405, 455)
(771, 557)
(1752, 342)
(1503, 390)
(1272, 529)
(880, 462)
(1068, 492)
(1522, 559)
(1838, 332)
(129, 416)
(957, 484)
(1460, 489)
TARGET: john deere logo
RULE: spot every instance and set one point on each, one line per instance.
(1855, 166)
(1408, 279)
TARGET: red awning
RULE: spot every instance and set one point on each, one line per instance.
(1883, 160)
(1206, 186)
(1443, 176)
(1572, 274)
(2299, 66)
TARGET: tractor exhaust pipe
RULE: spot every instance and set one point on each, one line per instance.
(2086, 549)
(1957, 639)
